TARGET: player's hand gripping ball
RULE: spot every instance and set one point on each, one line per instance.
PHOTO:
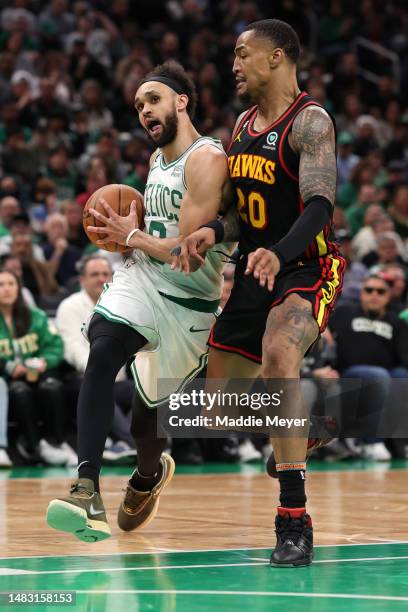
(110, 214)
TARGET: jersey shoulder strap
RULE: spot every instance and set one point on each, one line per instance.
(200, 142)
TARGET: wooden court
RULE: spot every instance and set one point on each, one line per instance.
(209, 546)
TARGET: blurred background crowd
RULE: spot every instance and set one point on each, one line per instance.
(68, 75)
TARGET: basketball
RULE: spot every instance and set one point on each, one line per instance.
(119, 197)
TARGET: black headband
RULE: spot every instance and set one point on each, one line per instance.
(172, 83)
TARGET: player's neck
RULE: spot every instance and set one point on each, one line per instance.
(186, 135)
(274, 101)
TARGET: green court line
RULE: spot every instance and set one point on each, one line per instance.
(207, 468)
(367, 577)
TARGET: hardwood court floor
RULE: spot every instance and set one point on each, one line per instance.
(209, 545)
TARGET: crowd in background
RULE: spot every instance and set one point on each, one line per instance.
(68, 76)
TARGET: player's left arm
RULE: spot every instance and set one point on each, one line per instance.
(313, 138)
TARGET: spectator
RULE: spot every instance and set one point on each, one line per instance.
(62, 172)
(390, 250)
(375, 222)
(398, 210)
(9, 208)
(37, 276)
(30, 351)
(10, 263)
(60, 255)
(355, 272)
(372, 345)
(72, 313)
(98, 115)
(368, 194)
(346, 159)
(396, 277)
(73, 213)
(20, 226)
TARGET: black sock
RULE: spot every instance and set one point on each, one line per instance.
(86, 470)
(111, 346)
(142, 482)
(292, 488)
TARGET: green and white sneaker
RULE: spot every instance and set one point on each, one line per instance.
(81, 513)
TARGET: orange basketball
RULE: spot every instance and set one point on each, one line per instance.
(119, 197)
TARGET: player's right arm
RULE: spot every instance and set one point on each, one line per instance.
(194, 246)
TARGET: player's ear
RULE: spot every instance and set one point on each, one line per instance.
(276, 58)
(182, 101)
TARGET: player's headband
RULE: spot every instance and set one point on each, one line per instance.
(172, 83)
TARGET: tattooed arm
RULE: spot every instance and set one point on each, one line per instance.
(314, 139)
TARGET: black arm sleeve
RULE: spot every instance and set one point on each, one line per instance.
(317, 213)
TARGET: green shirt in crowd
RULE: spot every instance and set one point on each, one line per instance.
(41, 340)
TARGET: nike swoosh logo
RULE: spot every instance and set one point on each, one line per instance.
(194, 330)
(94, 512)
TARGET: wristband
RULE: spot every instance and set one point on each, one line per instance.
(218, 228)
(130, 234)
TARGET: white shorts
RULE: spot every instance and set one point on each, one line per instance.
(177, 336)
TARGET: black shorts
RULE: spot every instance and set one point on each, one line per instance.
(241, 325)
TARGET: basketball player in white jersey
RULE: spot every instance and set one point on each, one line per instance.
(149, 310)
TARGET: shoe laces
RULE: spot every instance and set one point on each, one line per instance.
(289, 528)
(79, 490)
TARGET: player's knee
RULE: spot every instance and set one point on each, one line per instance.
(275, 361)
(106, 355)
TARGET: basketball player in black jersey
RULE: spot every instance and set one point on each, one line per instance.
(282, 163)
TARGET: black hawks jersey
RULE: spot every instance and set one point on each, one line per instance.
(265, 172)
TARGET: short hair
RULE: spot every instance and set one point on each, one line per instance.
(280, 34)
(82, 263)
(173, 70)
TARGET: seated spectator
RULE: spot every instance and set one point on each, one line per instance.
(362, 174)
(20, 226)
(9, 208)
(372, 345)
(10, 263)
(36, 274)
(355, 272)
(390, 250)
(60, 255)
(18, 158)
(72, 313)
(30, 352)
(73, 213)
(62, 172)
(396, 277)
(346, 159)
(368, 194)
(375, 222)
(95, 180)
(5, 460)
(398, 210)
(99, 116)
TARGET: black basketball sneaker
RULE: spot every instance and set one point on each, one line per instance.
(294, 538)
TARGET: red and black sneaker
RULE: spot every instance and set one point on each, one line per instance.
(322, 431)
(294, 538)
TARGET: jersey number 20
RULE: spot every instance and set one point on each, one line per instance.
(252, 209)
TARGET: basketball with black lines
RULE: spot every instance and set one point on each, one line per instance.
(119, 197)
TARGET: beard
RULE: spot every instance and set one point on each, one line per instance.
(169, 133)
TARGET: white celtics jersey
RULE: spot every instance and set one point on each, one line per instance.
(164, 192)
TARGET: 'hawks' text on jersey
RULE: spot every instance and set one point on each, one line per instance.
(265, 172)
